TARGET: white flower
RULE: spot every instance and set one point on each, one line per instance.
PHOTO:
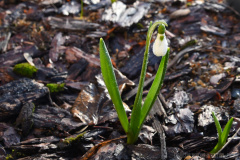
(160, 45)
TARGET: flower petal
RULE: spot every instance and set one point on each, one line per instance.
(160, 46)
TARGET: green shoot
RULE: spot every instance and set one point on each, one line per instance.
(81, 9)
(222, 135)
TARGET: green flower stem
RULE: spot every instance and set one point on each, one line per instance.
(136, 112)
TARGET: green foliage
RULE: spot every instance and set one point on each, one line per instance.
(25, 69)
(139, 112)
(112, 1)
(222, 135)
(53, 87)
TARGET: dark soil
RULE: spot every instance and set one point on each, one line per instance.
(60, 108)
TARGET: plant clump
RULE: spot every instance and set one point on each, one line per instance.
(54, 87)
(25, 69)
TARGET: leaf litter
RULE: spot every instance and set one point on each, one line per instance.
(203, 76)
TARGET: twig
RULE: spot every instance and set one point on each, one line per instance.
(230, 49)
(236, 12)
(153, 116)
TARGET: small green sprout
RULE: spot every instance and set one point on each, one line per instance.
(222, 135)
(25, 69)
(53, 87)
(112, 1)
(139, 112)
(81, 8)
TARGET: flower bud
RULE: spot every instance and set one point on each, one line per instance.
(160, 45)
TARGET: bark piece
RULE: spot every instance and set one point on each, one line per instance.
(6, 75)
(71, 24)
(214, 30)
(125, 17)
(111, 151)
(145, 152)
(183, 122)
(134, 65)
(174, 153)
(58, 119)
(18, 92)
(177, 74)
(45, 156)
(3, 153)
(76, 69)
(8, 135)
(89, 71)
(202, 94)
(4, 38)
(16, 56)
(94, 105)
(194, 145)
(179, 99)
(57, 48)
(25, 118)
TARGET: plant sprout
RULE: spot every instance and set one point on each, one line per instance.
(139, 111)
(222, 135)
(81, 9)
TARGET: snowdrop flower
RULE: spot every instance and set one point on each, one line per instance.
(160, 45)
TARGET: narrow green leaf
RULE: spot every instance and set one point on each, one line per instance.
(111, 84)
(226, 131)
(216, 148)
(218, 126)
(155, 88)
(224, 135)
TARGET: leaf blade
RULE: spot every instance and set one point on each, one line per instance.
(111, 84)
(155, 88)
(226, 131)
(218, 126)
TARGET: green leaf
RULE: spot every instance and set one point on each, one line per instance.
(218, 126)
(155, 88)
(226, 131)
(223, 136)
(111, 84)
(216, 148)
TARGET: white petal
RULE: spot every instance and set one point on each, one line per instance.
(160, 47)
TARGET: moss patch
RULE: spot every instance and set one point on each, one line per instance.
(25, 69)
(53, 87)
(72, 139)
(9, 156)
